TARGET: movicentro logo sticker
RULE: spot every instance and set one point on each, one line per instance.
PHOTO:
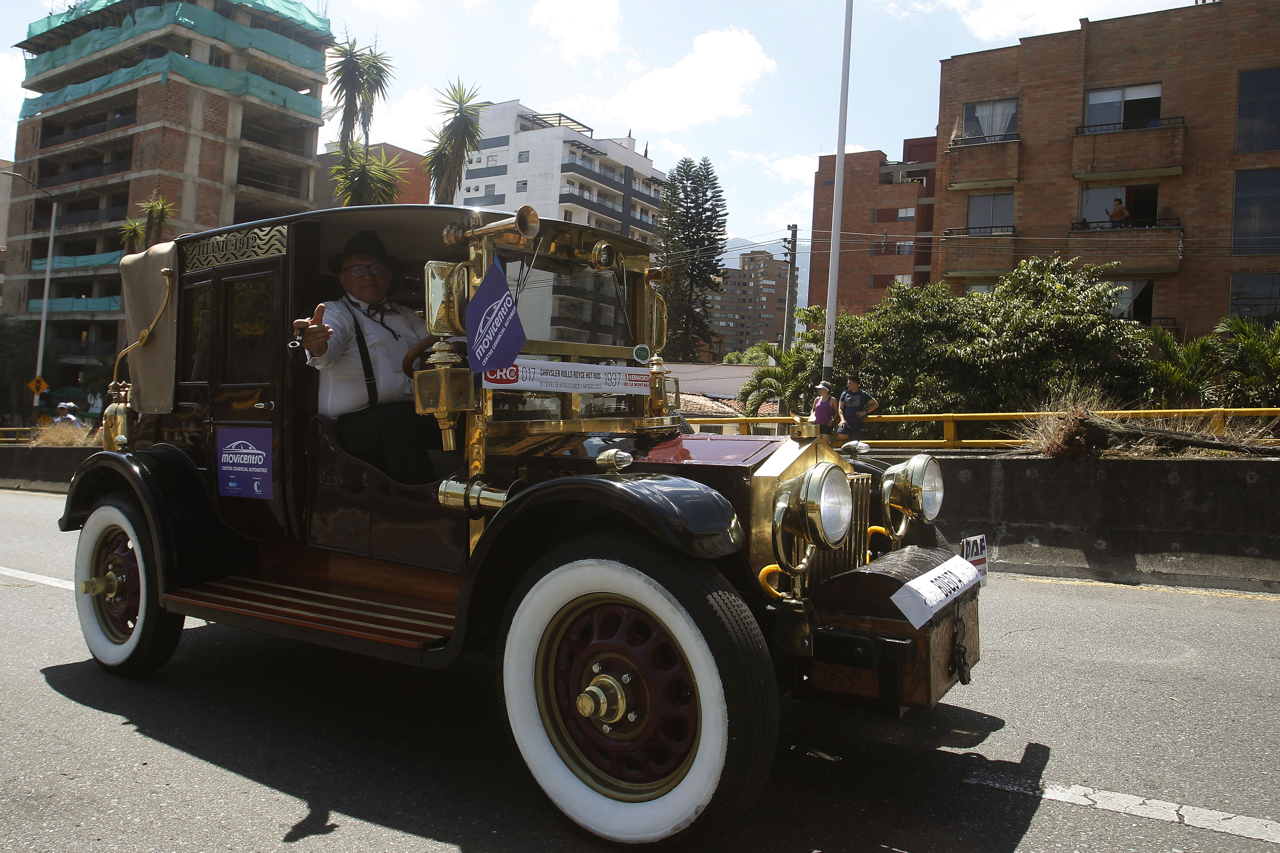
(494, 332)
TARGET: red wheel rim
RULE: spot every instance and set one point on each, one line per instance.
(632, 759)
(118, 613)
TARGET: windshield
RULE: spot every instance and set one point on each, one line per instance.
(562, 300)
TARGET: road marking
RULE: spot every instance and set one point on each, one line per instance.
(27, 576)
(1079, 795)
(1217, 593)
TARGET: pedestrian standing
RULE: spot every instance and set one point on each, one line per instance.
(855, 404)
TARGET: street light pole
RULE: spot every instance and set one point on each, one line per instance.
(48, 273)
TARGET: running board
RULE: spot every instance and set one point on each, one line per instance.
(317, 612)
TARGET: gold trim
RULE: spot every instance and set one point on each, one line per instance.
(581, 350)
(251, 245)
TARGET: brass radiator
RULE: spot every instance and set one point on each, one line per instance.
(852, 553)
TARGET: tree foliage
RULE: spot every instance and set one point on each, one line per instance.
(1249, 356)
(148, 229)
(789, 379)
(1047, 330)
(446, 161)
(689, 239)
(18, 339)
(361, 78)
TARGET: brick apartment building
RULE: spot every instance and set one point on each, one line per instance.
(215, 104)
(888, 216)
(1176, 113)
(751, 306)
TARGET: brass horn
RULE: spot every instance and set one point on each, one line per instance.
(525, 223)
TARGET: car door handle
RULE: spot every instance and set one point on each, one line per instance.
(270, 406)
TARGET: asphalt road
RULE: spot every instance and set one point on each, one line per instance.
(1158, 705)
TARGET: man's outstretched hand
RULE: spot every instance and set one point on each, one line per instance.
(315, 334)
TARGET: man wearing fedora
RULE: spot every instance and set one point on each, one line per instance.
(358, 343)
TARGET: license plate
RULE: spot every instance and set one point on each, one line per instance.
(974, 549)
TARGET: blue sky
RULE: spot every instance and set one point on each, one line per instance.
(752, 85)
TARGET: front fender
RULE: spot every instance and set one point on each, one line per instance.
(684, 515)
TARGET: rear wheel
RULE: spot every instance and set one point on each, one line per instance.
(120, 616)
(639, 690)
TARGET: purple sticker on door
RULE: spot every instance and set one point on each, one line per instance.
(244, 463)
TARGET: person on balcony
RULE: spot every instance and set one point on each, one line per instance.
(1119, 215)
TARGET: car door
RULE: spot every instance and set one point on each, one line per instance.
(245, 412)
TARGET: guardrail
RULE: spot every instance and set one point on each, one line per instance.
(950, 432)
(16, 435)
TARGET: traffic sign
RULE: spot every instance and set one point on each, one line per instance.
(38, 385)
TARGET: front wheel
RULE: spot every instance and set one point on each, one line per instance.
(120, 616)
(639, 690)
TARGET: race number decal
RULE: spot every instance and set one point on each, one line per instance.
(244, 463)
(565, 377)
(921, 599)
(974, 549)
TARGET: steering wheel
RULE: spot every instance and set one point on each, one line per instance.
(415, 352)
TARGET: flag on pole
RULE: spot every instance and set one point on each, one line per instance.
(494, 332)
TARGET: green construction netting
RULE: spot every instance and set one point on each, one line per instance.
(204, 21)
(72, 262)
(291, 9)
(231, 82)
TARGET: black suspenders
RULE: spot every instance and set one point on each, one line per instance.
(370, 383)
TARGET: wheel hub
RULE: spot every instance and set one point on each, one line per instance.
(604, 699)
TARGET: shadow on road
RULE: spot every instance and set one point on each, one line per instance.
(426, 753)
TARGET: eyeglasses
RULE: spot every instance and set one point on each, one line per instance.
(358, 270)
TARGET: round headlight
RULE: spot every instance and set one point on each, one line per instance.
(931, 490)
(826, 503)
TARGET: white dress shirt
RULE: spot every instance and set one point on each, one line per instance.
(342, 387)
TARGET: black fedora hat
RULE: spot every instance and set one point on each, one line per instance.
(364, 243)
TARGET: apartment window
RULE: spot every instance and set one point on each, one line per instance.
(1256, 295)
(991, 214)
(906, 248)
(1258, 111)
(1133, 299)
(1256, 228)
(568, 216)
(490, 189)
(979, 287)
(1130, 108)
(522, 186)
(522, 157)
(903, 278)
(991, 121)
(906, 214)
(491, 160)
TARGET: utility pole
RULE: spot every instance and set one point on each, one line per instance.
(789, 322)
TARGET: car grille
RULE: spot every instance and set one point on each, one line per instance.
(853, 552)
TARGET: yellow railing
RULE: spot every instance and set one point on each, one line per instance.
(16, 435)
(950, 434)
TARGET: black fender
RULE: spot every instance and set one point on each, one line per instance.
(682, 514)
(191, 544)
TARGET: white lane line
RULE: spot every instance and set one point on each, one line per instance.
(1079, 795)
(27, 576)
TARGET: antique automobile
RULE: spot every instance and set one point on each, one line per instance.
(651, 593)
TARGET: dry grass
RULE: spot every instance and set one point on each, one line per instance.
(1065, 435)
(66, 435)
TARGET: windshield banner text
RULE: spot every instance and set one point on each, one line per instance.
(564, 377)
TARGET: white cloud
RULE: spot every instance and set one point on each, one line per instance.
(796, 169)
(582, 30)
(389, 8)
(671, 148)
(704, 85)
(991, 20)
(796, 211)
(12, 67)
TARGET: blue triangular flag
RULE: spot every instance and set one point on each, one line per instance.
(494, 332)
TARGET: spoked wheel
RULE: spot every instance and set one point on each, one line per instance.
(117, 597)
(639, 690)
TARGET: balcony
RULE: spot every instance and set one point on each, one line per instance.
(587, 201)
(122, 120)
(82, 348)
(64, 304)
(85, 173)
(1145, 246)
(73, 262)
(1116, 151)
(80, 217)
(988, 163)
(985, 253)
(571, 164)
(290, 183)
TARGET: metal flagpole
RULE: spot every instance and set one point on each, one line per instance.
(833, 273)
(48, 272)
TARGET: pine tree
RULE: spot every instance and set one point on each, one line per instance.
(689, 239)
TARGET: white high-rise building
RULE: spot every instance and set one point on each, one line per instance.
(554, 164)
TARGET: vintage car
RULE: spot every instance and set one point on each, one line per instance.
(651, 593)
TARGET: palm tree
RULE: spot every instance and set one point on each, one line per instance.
(789, 379)
(132, 234)
(1184, 374)
(361, 177)
(1250, 355)
(446, 161)
(146, 230)
(361, 77)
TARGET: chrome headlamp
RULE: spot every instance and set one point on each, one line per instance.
(914, 489)
(817, 505)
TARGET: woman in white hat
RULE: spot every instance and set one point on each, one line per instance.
(824, 410)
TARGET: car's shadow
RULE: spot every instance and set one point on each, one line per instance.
(426, 753)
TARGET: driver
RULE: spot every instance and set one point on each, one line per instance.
(358, 343)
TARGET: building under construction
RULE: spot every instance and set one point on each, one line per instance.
(212, 104)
